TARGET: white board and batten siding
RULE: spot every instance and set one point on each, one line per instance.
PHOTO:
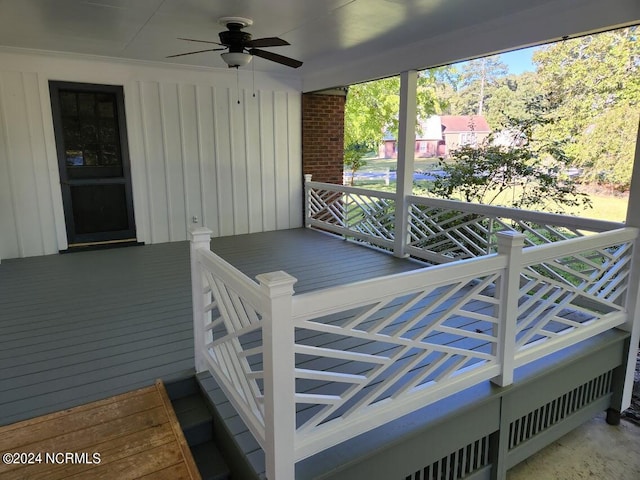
(195, 152)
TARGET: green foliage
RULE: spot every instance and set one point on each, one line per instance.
(472, 85)
(529, 170)
(607, 148)
(485, 174)
(354, 158)
(594, 84)
(372, 108)
(591, 90)
(510, 99)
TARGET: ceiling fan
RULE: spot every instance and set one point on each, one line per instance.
(241, 48)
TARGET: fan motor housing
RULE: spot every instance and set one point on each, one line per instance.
(234, 38)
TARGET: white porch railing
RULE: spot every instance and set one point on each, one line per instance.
(439, 230)
(308, 371)
(352, 212)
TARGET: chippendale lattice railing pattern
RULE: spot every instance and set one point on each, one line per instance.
(438, 231)
(351, 358)
(445, 230)
(365, 358)
(353, 212)
(575, 286)
(230, 306)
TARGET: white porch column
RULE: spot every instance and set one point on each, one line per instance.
(406, 153)
(200, 238)
(633, 298)
(278, 359)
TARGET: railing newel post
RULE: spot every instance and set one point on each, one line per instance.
(510, 243)
(278, 358)
(199, 239)
(307, 203)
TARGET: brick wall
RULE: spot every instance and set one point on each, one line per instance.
(323, 136)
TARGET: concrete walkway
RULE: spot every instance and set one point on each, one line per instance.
(595, 450)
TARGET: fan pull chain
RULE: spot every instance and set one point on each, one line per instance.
(253, 73)
(238, 84)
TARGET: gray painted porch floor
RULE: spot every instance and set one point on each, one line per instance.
(82, 327)
(85, 326)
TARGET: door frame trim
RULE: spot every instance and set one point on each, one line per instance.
(72, 238)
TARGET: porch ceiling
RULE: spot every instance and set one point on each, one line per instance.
(339, 41)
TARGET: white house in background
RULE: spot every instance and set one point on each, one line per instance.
(439, 135)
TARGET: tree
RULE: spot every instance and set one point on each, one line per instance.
(607, 148)
(594, 82)
(509, 99)
(372, 108)
(354, 158)
(473, 84)
(525, 174)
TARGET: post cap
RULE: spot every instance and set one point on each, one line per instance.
(510, 238)
(199, 234)
(277, 283)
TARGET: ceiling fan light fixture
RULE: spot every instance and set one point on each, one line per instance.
(236, 59)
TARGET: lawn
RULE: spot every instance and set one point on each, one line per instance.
(382, 164)
(605, 206)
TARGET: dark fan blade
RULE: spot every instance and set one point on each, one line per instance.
(198, 51)
(267, 42)
(201, 41)
(274, 57)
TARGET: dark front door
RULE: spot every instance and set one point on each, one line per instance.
(91, 141)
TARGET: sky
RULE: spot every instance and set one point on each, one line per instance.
(519, 61)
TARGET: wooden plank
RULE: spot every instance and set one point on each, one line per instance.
(281, 154)
(189, 123)
(42, 428)
(135, 466)
(296, 190)
(136, 308)
(158, 196)
(224, 166)
(315, 259)
(86, 389)
(131, 442)
(129, 436)
(110, 367)
(42, 186)
(207, 145)
(174, 472)
(254, 177)
(154, 330)
(267, 159)
(239, 171)
(20, 158)
(10, 235)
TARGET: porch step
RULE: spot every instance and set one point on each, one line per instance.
(210, 462)
(196, 421)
